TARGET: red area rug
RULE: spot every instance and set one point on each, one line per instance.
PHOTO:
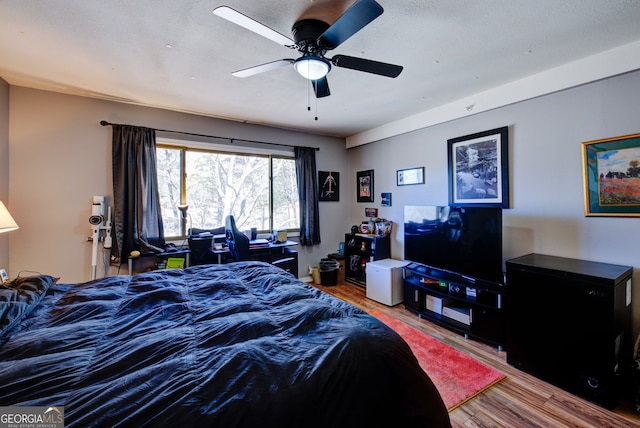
(457, 376)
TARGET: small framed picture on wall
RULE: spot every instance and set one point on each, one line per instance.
(364, 181)
(329, 183)
(409, 176)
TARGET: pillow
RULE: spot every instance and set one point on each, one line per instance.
(19, 297)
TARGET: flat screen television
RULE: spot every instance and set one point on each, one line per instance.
(462, 240)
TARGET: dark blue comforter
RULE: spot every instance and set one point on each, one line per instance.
(238, 345)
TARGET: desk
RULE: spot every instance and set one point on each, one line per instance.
(146, 262)
(281, 255)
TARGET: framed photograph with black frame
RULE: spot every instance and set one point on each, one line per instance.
(479, 169)
(364, 182)
(329, 183)
(611, 170)
(409, 176)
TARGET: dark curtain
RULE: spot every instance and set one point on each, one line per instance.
(308, 195)
(137, 219)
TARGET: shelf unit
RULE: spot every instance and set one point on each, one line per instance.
(359, 249)
(462, 304)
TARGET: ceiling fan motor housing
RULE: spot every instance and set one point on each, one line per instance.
(312, 64)
(306, 32)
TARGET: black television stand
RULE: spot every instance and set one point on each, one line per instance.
(466, 305)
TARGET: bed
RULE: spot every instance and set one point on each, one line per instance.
(238, 345)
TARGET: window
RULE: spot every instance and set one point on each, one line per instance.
(259, 190)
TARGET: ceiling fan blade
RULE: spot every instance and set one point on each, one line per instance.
(238, 18)
(321, 87)
(352, 21)
(367, 65)
(263, 68)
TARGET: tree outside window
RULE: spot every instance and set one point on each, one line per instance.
(258, 190)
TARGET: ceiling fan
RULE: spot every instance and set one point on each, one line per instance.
(313, 38)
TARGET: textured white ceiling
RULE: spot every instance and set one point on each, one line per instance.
(178, 55)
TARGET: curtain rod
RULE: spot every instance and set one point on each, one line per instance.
(231, 140)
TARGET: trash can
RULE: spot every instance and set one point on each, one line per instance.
(340, 259)
(329, 271)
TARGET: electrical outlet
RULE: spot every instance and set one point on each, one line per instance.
(3, 276)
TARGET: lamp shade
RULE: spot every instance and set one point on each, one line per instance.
(7, 223)
(183, 209)
(312, 68)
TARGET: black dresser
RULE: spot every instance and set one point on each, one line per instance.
(569, 323)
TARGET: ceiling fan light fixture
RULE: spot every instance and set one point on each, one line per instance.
(312, 68)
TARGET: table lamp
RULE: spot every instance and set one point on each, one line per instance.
(7, 223)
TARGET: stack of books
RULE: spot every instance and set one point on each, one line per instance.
(256, 244)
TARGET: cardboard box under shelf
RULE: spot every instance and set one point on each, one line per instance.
(436, 304)
(458, 313)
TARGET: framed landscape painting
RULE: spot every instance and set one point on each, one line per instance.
(611, 170)
(479, 169)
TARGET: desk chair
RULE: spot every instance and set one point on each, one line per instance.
(237, 241)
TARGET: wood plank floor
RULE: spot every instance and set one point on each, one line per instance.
(520, 400)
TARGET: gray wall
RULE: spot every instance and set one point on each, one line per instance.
(4, 168)
(546, 179)
(61, 157)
